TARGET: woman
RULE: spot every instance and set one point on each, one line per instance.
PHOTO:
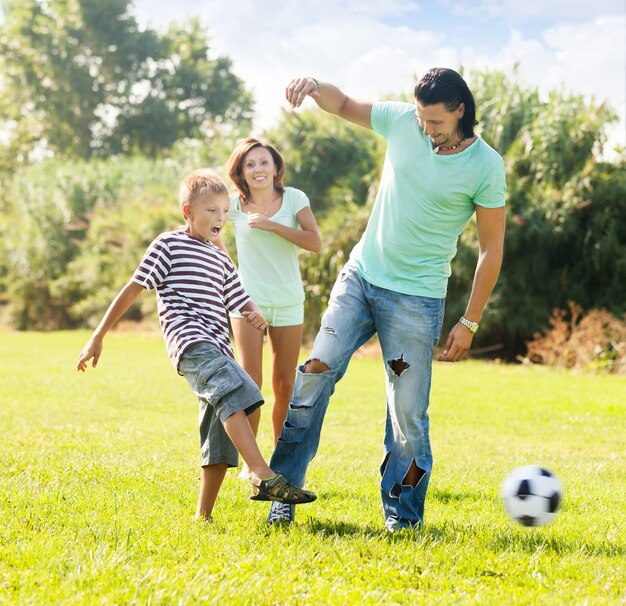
(271, 223)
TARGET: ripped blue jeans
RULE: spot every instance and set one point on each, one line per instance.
(408, 329)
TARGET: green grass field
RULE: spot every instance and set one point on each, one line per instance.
(99, 477)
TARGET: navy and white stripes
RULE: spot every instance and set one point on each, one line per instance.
(196, 283)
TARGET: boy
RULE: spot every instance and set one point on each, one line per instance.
(196, 283)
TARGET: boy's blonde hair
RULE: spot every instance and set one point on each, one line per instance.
(198, 184)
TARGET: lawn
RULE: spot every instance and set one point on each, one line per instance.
(99, 477)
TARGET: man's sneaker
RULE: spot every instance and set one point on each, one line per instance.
(281, 513)
(393, 524)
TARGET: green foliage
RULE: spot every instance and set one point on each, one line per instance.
(598, 242)
(99, 474)
(114, 243)
(80, 78)
(559, 223)
(341, 230)
(504, 106)
(333, 161)
(55, 206)
(71, 232)
(338, 165)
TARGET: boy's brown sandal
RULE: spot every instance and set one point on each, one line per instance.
(280, 490)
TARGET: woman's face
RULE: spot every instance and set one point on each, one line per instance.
(259, 169)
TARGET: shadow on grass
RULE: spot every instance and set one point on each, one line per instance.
(341, 529)
(489, 536)
(531, 540)
(447, 496)
(528, 540)
(537, 542)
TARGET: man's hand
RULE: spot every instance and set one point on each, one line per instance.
(255, 318)
(299, 88)
(458, 344)
(93, 349)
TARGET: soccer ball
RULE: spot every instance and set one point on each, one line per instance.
(532, 495)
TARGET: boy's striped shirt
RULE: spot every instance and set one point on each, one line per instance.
(196, 283)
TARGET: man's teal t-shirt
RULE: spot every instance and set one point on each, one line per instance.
(423, 204)
(268, 264)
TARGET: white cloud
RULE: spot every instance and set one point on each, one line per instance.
(329, 39)
(516, 11)
(573, 57)
(588, 64)
(349, 44)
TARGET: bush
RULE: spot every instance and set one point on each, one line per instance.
(592, 341)
(47, 225)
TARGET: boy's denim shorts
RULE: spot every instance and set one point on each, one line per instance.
(222, 388)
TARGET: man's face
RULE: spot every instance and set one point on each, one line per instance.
(438, 123)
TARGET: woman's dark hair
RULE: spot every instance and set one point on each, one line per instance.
(236, 160)
(443, 85)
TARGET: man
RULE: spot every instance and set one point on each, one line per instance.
(437, 174)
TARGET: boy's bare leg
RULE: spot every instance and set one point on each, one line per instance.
(249, 343)
(210, 483)
(239, 431)
(255, 419)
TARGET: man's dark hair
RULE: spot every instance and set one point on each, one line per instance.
(443, 85)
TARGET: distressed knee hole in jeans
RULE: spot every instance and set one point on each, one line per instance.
(311, 367)
(413, 475)
(398, 366)
(315, 367)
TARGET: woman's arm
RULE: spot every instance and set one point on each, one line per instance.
(307, 237)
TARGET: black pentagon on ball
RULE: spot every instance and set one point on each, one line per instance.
(527, 520)
(544, 472)
(523, 490)
(554, 502)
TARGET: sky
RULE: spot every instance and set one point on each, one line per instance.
(376, 48)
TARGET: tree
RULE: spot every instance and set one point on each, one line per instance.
(558, 217)
(334, 162)
(80, 78)
(566, 237)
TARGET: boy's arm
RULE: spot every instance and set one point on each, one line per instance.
(124, 299)
(253, 314)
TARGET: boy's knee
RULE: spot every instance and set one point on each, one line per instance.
(315, 367)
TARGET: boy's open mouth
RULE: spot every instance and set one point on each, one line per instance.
(216, 230)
